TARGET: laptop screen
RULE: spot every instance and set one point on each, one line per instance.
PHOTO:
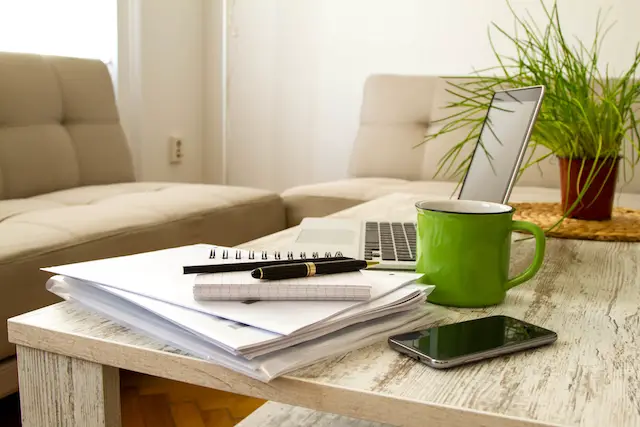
(501, 145)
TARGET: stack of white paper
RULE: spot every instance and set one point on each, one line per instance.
(149, 293)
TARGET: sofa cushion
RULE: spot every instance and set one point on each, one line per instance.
(394, 117)
(326, 198)
(59, 126)
(109, 220)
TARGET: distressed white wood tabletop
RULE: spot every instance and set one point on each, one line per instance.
(588, 292)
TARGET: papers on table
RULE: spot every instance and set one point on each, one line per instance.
(159, 275)
(265, 367)
(264, 339)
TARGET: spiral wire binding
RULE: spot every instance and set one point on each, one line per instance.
(276, 255)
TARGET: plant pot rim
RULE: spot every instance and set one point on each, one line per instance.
(617, 158)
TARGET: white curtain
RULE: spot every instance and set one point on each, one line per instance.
(77, 28)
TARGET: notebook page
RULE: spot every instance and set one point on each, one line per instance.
(241, 282)
(352, 278)
(238, 285)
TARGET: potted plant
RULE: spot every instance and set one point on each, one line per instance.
(587, 119)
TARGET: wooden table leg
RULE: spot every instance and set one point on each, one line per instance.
(59, 391)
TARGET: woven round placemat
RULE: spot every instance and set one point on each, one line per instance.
(624, 225)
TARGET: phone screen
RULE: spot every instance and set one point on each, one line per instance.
(473, 336)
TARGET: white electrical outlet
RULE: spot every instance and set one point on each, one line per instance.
(176, 150)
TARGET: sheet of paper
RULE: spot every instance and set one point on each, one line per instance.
(232, 336)
(264, 368)
(149, 324)
(159, 275)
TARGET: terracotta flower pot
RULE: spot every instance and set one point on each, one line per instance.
(597, 202)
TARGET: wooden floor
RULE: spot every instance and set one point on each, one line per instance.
(153, 402)
(149, 401)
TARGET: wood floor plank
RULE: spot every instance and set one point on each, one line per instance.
(218, 418)
(243, 406)
(186, 414)
(149, 401)
(130, 408)
(219, 400)
(155, 410)
(180, 392)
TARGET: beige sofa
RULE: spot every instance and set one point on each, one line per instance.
(68, 193)
(397, 111)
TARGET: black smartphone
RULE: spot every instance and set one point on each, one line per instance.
(455, 344)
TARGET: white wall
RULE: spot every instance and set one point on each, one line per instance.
(296, 69)
(214, 88)
(160, 92)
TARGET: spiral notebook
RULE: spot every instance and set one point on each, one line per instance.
(222, 259)
(240, 286)
(224, 254)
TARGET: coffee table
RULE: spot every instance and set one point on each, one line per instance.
(588, 292)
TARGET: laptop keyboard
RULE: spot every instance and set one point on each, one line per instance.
(392, 241)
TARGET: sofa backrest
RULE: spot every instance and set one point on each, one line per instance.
(395, 115)
(59, 126)
(399, 110)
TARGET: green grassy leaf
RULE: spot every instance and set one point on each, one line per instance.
(585, 114)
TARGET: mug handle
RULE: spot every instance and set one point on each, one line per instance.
(538, 234)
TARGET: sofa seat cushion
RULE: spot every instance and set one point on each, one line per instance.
(323, 199)
(71, 217)
(109, 220)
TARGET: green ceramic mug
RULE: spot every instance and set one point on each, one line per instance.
(464, 249)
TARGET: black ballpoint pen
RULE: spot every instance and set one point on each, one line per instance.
(306, 269)
(247, 266)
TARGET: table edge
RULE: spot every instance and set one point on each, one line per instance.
(287, 389)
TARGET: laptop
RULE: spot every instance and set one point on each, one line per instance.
(490, 177)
